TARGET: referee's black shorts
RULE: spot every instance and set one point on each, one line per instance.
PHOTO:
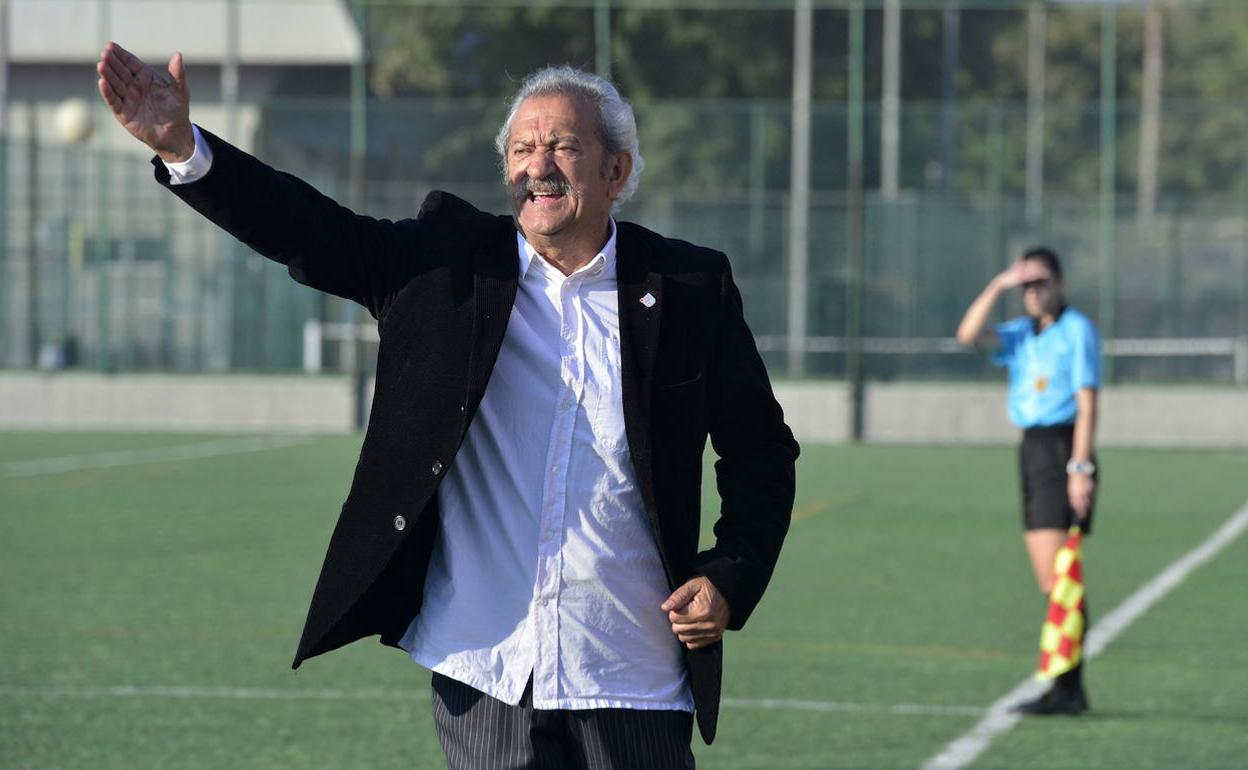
(1042, 459)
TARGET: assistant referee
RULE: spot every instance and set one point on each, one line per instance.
(1053, 356)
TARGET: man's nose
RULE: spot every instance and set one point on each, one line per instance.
(540, 165)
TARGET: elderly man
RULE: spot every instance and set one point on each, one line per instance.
(524, 517)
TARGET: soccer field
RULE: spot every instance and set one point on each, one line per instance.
(153, 587)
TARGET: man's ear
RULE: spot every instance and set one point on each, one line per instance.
(618, 172)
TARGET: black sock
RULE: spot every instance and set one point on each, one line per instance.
(1071, 681)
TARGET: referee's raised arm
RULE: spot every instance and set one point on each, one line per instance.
(974, 331)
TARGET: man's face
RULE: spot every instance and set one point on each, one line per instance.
(1042, 291)
(561, 182)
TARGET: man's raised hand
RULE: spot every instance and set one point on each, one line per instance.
(153, 106)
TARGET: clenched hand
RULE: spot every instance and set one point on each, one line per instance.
(698, 612)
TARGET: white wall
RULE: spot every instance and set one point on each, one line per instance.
(175, 402)
(912, 413)
(270, 31)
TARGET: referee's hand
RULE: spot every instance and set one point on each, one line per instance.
(1079, 489)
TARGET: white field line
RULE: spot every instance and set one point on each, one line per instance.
(963, 750)
(906, 709)
(117, 458)
(255, 693)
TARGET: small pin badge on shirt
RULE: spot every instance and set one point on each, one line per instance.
(648, 300)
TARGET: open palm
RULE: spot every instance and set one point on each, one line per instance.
(153, 106)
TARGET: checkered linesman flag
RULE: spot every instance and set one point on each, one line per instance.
(1061, 638)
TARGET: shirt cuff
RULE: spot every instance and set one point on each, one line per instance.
(195, 167)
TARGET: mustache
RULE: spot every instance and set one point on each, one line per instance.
(523, 187)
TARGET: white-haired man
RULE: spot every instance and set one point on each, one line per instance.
(524, 516)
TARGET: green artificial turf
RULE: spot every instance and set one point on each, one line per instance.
(151, 610)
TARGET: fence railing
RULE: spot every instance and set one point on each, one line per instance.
(100, 268)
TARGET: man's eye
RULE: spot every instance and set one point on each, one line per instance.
(521, 151)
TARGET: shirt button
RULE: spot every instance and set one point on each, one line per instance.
(436, 467)
(400, 523)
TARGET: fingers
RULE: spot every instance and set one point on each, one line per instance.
(698, 644)
(177, 70)
(111, 97)
(115, 79)
(126, 59)
(113, 94)
(116, 76)
(696, 635)
(1032, 271)
(697, 630)
(1011, 276)
(1085, 505)
(110, 64)
(698, 613)
(681, 597)
(1080, 495)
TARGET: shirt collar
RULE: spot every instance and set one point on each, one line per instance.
(1057, 318)
(603, 261)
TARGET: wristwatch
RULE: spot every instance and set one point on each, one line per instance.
(1082, 467)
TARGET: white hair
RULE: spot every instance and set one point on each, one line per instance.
(616, 125)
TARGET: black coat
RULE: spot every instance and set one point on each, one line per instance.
(441, 287)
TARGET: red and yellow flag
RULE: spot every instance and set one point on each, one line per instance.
(1061, 638)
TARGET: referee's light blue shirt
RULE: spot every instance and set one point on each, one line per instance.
(1049, 368)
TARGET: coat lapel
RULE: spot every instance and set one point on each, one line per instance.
(641, 306)
(640, 297)
(496, 274)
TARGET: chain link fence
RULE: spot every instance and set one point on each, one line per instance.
(101, 269)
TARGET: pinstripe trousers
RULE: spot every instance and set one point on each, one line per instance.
(478, 732)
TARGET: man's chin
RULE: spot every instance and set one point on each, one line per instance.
(543, 224)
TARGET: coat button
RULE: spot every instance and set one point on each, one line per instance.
(436, 467)
(400, 523)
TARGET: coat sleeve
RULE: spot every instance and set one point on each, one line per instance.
(755, 473)
(322, 244)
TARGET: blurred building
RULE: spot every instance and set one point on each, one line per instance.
(73, 194)
(278, 48)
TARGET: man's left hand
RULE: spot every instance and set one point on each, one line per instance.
(1079, 488)
(699, 613)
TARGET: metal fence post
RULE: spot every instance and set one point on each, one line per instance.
(855, 256)
(1036, 43)
(6, 278)
(602, 38)
(799, 186)
(33, 334)
(359, 153)
(1108, 186)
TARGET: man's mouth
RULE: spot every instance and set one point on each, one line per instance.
(546, 197)
(542, 192)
